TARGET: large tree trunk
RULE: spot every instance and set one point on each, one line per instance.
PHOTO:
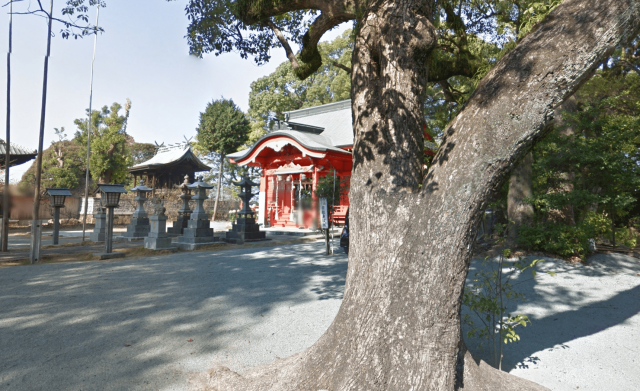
(399, 324)
(519, 211)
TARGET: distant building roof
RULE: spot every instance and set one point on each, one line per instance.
(171, 156)
(19, 154)
(320, 128)
(335, 118)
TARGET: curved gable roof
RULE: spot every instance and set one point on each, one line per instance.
(328, 127)
(172, 156)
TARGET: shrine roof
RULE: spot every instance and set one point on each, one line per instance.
(19, 154)
(335, 118)
(320, 128)
(172, 156)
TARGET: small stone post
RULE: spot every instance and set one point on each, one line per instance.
(100, 229)
(184, 213)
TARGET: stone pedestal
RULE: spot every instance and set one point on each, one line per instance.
(158, 238)
(245, 228)
(198, 231)
(99, 233)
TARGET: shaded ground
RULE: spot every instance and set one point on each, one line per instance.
(585, 331)
(127, 325)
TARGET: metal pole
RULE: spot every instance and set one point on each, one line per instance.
(108, 240)
(56, 224)
(7, 145)
(35, 222)
(86, 185)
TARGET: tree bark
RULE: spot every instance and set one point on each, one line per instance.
(398, 327)
(519, 211)
(215, 205)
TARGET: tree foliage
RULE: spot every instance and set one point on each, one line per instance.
(586, 180)
(282, 90)
(62, 166)
(223, 128)
(109, 156)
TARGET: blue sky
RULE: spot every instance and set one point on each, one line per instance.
(142, 55)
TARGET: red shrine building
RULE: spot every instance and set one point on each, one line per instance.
(311, 143)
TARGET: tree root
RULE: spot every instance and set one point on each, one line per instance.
(282, 375)
(480, 376)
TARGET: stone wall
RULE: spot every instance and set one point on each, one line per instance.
(172, 203)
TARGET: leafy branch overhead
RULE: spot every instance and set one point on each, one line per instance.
(75, 12)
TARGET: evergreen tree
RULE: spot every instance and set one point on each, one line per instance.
(222, 130)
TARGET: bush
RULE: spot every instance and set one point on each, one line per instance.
(564, 240)
(568, 241)
(627, 237)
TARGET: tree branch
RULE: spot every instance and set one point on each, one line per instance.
(249, 13)
(309, 54)
(333, 12)
(290, 55)
(343, 67)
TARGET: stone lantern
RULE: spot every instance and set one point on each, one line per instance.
(245, 227)
(56, 200)
(110, 199)
(139, 226)
(198, 231)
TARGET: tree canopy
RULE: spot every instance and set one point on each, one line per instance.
(223, 127)
(109, 159)
(282, 90)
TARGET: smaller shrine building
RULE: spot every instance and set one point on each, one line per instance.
(311, 143)
(169, 166)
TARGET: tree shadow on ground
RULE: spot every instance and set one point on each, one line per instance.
(578, 302)
(127, 324)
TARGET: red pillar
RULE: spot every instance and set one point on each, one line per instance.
(314, 198)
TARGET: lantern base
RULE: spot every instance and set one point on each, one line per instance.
(179, 225)
(195, 246)
(108, 255)
(138, 228)
(159, 244)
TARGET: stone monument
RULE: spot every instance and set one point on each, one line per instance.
(184, 213)
(139, 226)
(198, 232)
(100, 229)
(245, 228)
(158, 238)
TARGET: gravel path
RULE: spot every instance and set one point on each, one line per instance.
(146, 324)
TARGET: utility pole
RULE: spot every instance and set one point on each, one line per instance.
(36, 227)
(7, 145)
(86, 185)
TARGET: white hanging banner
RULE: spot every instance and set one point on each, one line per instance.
(324, 214)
